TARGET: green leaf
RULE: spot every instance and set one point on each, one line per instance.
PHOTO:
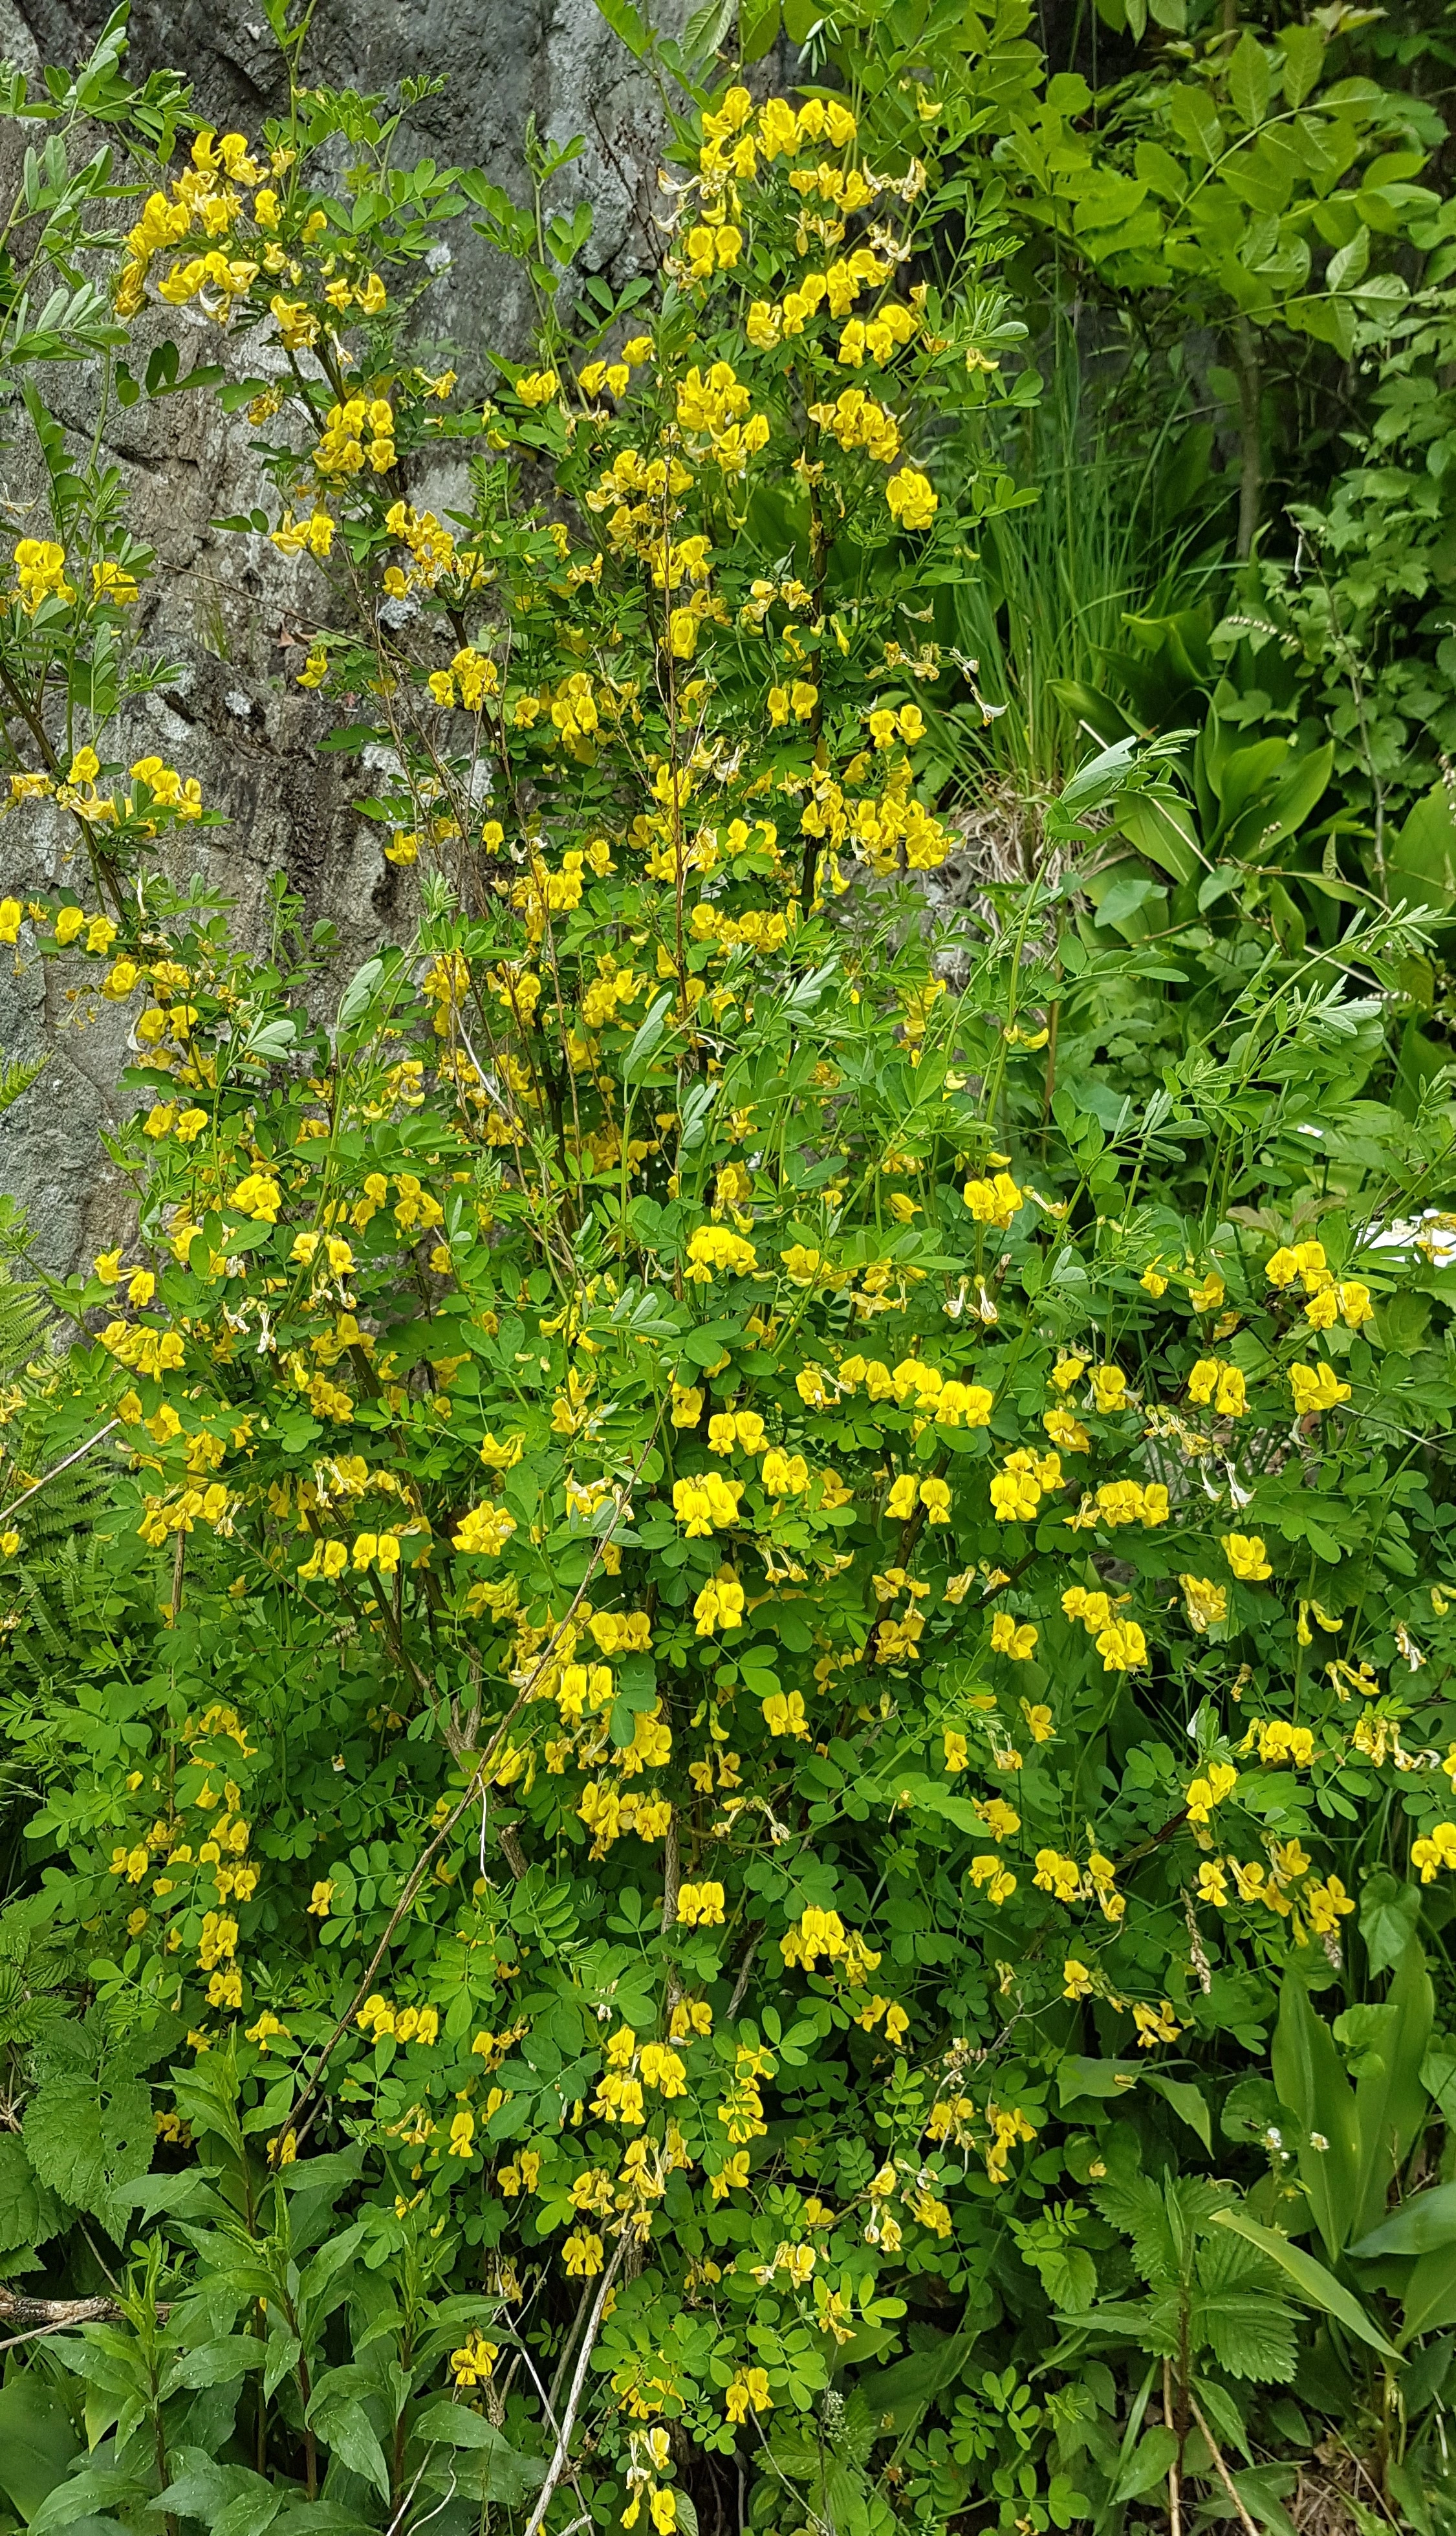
(1249, 2335)
(1077, 2077)
(85, 2141)
(1430, 2293)
(647, 1036)
(1312, 2086)
(1158, 822)
(499, 2472)
(758, 28)
(626, 26)
(341, 2422)
(1187, 2102)
(1195, 120)
(1388, 1913)
(29, 2213)
(1250, 79)
(215, 2363)
(93, 2494)
(1391, 2104)
(1438, 2074)
(1317, 2287)
(704, 31)
(1328, 321)
(38, 2440)
(1148, 2465)
(905, 2390)
(1418, 2227)
(1302, 48)
(1420, 863)
(229, 2499)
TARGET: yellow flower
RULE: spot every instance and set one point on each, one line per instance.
(912, 502)
(785, 1715)
(1244, 1552)
(1315, 1388)
(1210, 1789)
(1206, 1604)
(955, 1750)
(1017, 1639)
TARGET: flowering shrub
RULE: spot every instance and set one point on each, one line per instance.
(738, 1651)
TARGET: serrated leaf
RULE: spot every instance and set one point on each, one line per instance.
(85, 2141)
(1250, 2337)
(29, 2213)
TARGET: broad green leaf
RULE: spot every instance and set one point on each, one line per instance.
(1148, 2465)
(1302, 48)
(1194, 118)
(38, 2440)
(343, 2424)
(1420, 860)
(1250, 79)
(1077, 2077)
(1388, 1913)
(228, 2500)
(1418, 2227)
(85, 2140)
(627, 25)
(1391, 2105)
(1430, 2293)
(1188, 2102)
(758, 28)
(498, 2472)
(1316, 2285)
(1305, 2068)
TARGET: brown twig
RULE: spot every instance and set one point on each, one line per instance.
(1225, 2477)
(741, 1984)
(71, 1458)
(1175, 2488)
(54, 2316)
(568, 2419)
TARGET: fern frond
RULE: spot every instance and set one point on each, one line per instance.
(23, 1319)
(18, 1077)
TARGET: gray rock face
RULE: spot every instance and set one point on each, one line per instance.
(224, 610)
